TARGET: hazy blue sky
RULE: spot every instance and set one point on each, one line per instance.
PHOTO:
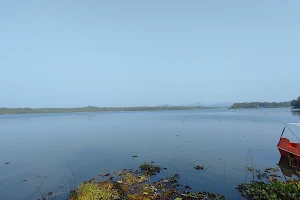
(123, 53)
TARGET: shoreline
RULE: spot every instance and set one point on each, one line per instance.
(90, 109)
(129, 184)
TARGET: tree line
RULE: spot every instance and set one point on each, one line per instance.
(294, 104)
(261, 105)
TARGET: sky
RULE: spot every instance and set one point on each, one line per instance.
(134, 53)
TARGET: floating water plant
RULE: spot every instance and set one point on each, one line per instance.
(149, 169)
(199, 167)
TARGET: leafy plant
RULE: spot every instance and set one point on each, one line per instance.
(149, 169)
(269, 186)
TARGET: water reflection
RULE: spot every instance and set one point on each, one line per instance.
(287, 170)
(296, 112)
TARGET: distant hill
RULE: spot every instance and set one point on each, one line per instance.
(219, 105)
(222, 104)
(194, 104)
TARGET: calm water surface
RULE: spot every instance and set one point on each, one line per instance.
(222, 140)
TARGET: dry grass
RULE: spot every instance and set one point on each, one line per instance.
(95, 191)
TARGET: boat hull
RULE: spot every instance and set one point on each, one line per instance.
(289, 150)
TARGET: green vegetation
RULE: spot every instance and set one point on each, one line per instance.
(149, 169)
(94, 109)
(91, 191)
(129, 185)
(261, 105)
(268, 186)
(135, 185)
(296, 103)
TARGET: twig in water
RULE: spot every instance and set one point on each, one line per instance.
(40, 191)
(224, 173)
(72, 174)
(175, 164)
(253, 169)
(186, 178)
(46, 182)
(36, 191)
(70, 181)
(13, 194)
(246, 169)
(106, 166)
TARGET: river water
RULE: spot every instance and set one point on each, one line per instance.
(53, 152)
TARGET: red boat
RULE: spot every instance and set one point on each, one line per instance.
(287, 149)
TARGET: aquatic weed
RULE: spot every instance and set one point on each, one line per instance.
(149, 169)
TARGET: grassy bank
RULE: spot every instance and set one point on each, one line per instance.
(137, 185)
(95, 109)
